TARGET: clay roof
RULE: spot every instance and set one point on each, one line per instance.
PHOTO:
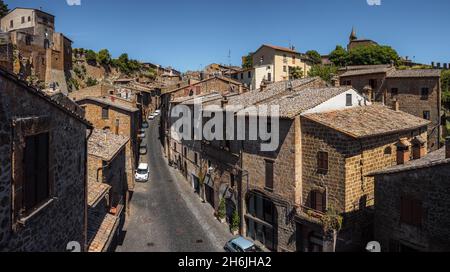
(414, 73)
(101, 230)
(108, 101)
(38, 10)
(280, 48)
(105, 145)
(271, 91)
(226, 79)
(368, 121)
(432, 159)
(96, 191)
(376, 70)
(41, 94)
(296, 102)
(363, 67)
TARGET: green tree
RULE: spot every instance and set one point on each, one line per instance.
(104, 57)
(445, 85)
(247, 61)
(3, 8)
(150, 73)
(222, 212)
(91, 57)
(91, 82)
(326, 72)
(314, 56)
(372, 55)
(339, 56)
(295, 72)
(235, 221)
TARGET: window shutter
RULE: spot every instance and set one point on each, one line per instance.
(313, 200)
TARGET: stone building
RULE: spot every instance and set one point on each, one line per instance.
(413, 203)
(41, 52)
(107, 189)
(111, 114)
(354, 42)
(418, 92)
(43, 173)
(330, 138)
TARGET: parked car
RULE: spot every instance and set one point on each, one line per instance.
(240, 244)
(145, 125)
(142, 173)
(143, 150)
(158, 112)
(151, 116)
(141, 134)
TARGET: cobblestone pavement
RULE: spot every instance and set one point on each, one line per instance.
(166, 215)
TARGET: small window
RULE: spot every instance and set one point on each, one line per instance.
(242, 75)
(373, 83)
(23, 19)
(411, 211)
(285, 68)
(426, 115)
(36, 171)
(394, 92)
(317, 201)
(232, 180)
(269, 175)
(322, 161)
(349, 100)
(249, 74)
(191, 92)
(105, 113)
(29, 18)
(269, 76)
(11, 23)
(195, 158)
(424, 93)
(45, 20)
(388, 151)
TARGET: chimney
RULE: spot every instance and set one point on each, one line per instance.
(396, 105)
(432, 65)
(403, 153)
(419, 148)
(447, 147)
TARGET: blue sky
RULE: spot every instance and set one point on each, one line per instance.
(189, 34)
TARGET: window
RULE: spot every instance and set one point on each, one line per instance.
(411, 211)
(322, 161)
(285, 68)
(105, 113)
(23, 19)
(175, 146)
(388, 151)
(232, 180)
(28, 39)
(347, 82)
(29, 18)
(191, 93)
(373, 83)
(317, 201)
(424, 93)
(349, 100)
(36, 167)
(242, 75)
(284, 58)
(45, 19)
(185, 151)
(269, 175)
(394, 92)
(269, 76)
(11, 23)
(426, 115)
(195, 158)
(249, 74)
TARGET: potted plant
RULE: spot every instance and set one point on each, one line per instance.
(222, 212)
(332, 224)
(235, 222)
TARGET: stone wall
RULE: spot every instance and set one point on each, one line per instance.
(62, 220)
(431, 186)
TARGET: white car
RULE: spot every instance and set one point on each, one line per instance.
(151, 117)
(142, 173)
(158, 112)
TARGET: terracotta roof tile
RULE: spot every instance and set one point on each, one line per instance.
(101, 229)
(368, 121)
(105, 145)
(414, 73)
(96, 191)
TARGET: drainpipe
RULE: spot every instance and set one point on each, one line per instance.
(91, 130)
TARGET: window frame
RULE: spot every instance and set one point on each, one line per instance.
(323, 162)
(269, 177)
(105, 113)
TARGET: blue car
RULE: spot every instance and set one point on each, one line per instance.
(241, 244)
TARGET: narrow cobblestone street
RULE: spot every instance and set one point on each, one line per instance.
(166, 215)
